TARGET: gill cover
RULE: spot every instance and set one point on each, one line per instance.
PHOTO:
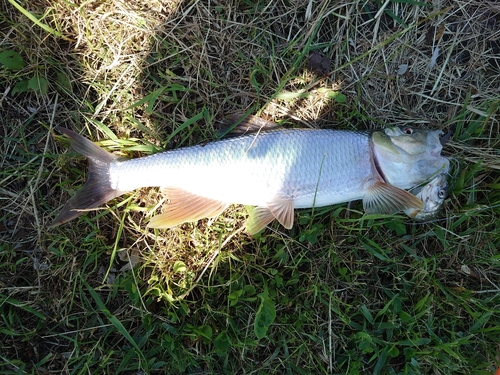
(408, 156)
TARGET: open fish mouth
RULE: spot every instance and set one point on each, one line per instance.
(432, 195)
(445, 137)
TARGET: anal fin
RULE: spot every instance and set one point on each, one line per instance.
(387, 199)
(184, 207)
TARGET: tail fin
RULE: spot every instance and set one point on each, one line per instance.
(97, 190)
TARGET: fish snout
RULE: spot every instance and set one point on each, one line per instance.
(446, 136)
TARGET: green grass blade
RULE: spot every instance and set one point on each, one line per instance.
(35, 20)
(114, 320)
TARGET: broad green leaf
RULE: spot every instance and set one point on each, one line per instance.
(393, 352)
(265, 315)
(222, 343)
(179, 267)
(249, 290)
(205, 331)
(35, 83)
(339, 98)
(63, 81)
(38, 84)
(11, 60)
(234, 297)
(405, 317)
(409, 353)
(20, 87)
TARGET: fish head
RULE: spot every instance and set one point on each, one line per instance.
(398, 141)
(407, 156)
(433, 195)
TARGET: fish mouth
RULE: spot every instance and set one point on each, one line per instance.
(445, 137)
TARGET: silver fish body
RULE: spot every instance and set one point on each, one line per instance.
(254, 170)
(276, 171)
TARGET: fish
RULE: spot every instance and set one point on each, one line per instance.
(433, 195)
(275, 171)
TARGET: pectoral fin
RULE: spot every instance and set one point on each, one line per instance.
(184, 207)
(387, 199)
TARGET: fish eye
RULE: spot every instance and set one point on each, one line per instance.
(442, 194)
(408, 131)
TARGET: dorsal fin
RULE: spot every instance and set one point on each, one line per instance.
(237, 125)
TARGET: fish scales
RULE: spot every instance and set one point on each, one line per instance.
(312, 167)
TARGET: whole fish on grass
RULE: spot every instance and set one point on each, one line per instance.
(276, 171)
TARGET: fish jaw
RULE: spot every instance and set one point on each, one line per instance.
(432, 195)
(407, 156)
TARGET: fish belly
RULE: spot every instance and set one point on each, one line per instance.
(310, 167)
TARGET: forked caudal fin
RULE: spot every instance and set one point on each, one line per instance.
(97, 190)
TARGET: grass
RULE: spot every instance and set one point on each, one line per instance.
(342, 292)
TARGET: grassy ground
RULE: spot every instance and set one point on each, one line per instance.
(348, 293)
